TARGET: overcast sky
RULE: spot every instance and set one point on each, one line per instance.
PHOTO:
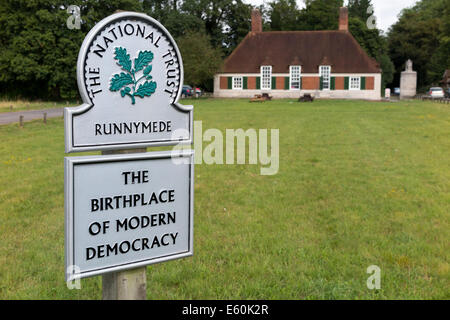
(386, 11)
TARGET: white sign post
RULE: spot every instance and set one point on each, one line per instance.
(123, 212)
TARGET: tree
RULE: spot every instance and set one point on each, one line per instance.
(201, 60)
(359, 9)
(169, 13)
(238, 24)
(370, 40)
(38, 53)
(421, 35)
(375, 45)
(388, 69)
(214, 13)
(321, 14)
(284, 15)
(440, 60)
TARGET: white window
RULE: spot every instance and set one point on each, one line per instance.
(355, 83)
(237, 83)
(266, 77)
(325, 72)
(295, 73)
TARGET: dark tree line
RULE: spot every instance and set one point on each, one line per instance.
(38, 52)
(422, 34)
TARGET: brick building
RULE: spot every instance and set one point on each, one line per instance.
(288, 64)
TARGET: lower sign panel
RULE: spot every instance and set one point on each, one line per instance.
(127, 211)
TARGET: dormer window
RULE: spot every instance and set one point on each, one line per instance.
(325, 73)
(295, 73)
(266, 77)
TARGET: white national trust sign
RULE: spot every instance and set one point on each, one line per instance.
(130, 76)
(126, 211)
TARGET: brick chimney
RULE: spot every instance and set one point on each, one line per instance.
(256, 21)
(343, 19)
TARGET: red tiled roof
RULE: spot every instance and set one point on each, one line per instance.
(280, 49)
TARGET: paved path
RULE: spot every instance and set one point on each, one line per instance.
(11, 117)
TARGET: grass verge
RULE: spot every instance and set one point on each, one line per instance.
(360, 184)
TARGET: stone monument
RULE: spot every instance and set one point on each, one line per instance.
(408, 82)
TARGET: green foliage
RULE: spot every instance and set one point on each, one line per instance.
(440, 60)
(388, 68)
(177, 21)
(225, 22)
(214, 14)
(422, 35)
(201, 60)
(38, 53)
(238, 25)
(359, 9)
(370, 40)
(321, 14)
(375, 44)
(284, 15)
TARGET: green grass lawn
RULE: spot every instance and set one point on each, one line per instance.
(25, 105)
(359, 184)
